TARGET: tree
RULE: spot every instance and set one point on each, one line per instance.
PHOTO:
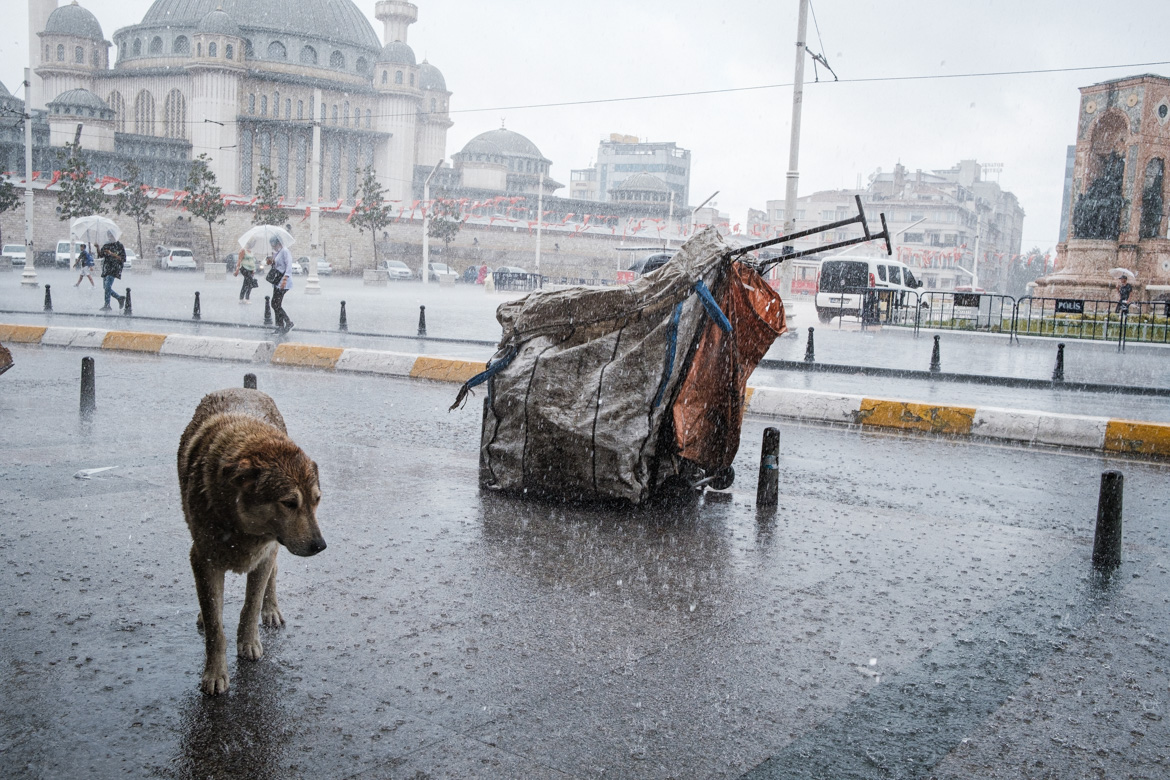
(371, 212)
(1023, 269)
(445, 224)
(204, 199)
(9, 198)
(267, 210)
(133, 201)
(80, 195)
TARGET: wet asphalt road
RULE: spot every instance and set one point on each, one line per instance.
(916, 608)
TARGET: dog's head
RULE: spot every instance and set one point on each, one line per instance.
(277, 496)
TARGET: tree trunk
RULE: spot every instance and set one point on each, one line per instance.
(374, 235)
(211, 235)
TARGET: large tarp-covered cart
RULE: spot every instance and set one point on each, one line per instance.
(613, 393)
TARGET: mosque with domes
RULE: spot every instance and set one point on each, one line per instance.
(242, 81)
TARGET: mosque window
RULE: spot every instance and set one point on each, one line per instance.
(212, 50)
(199, 49)
(248, 50)
(345, 113)
(322, 112)
(369, 118)
(288, 108)
(300, 109)
(60, 52)
(263, 105)
(397, 77)
(276, 51)
(337, 60)
(118, 104)
(412, 79)
(385, 76)
(334, 113)
(79, 55)
(155, 45)
(276, 104)
(182, 45)
(144, 113)
(49, 56)
(251, 104)
(175, 115)
(363, 67)
(137, 46)
(308, 56)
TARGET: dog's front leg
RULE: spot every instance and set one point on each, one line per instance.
(270, 614)
(248, 643)
(209, 588)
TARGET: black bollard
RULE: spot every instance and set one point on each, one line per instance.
(1058, 372)
(195, 314)
(250, 381)
(935, 363)
(267, 310)
(767, 489)
(127, 308)
(809, 357)
(1107, 540)
(48, 298)
(422, 320)
(343, 325)
(88, 387)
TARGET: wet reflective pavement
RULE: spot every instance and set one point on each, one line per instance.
(916, 608)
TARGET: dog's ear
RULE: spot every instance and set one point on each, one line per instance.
(241, 474)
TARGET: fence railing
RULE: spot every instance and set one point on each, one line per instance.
(508, 280)
(1095, 320)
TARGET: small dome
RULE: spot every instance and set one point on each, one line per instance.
(508, 143)
(429, 77)
(643, 182)
(74, 20)
(480, 146)
(80, 102)
(398, 53)
(218, 23)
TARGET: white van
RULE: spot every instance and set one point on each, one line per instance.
(840, 279)
(66, 253)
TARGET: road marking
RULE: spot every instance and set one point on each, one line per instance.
(306, 355)
(132, 341)
(22, 334)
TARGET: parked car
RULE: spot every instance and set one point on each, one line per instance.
(653, 262)
(323, 266)
(396, 269)
(131, 256)
(15, 253)
(511, 269)
(437, 271)
(841, 279)
(295, 268)
(179, 258)
(472, 275)
(66, 252)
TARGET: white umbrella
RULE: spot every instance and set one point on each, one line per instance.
(1117, 273)
(258, 239)
(94, 229)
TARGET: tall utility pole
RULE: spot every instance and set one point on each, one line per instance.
(539, 218)
(313, 283)
(29, 277)
(794, 144)
(426, 268)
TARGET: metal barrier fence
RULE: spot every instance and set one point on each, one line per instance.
(507, 280)
(1093, 319)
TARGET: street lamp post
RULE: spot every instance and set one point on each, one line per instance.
(695, 210)
(426, 264)
(313, 283)
(29, 277)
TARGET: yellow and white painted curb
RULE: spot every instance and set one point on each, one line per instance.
(1017, 425)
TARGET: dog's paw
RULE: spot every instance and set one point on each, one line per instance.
(270, 616)
(215, 681)
(251, 649)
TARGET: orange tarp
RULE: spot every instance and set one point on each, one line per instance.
(708, 410)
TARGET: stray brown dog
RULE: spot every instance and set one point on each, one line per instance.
(246, 487)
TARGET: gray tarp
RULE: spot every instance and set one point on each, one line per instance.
(577, 412)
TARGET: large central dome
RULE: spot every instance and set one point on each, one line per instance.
(339, 21)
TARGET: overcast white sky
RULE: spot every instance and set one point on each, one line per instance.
(498, 56)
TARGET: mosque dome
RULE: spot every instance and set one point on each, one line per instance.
(643, 182)
(218, 23)
(397, 53)
(510, 144)
(336, 21)
(429, 77)
(74, 20)
(80, 102)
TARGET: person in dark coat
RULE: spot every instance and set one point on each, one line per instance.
(1123, 294)
(113, 256)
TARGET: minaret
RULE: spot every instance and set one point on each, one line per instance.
(434, 118)
(396, 80)
(216, 69)
(38, 15)
(396, 15)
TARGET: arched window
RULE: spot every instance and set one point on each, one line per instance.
(397, 77)
(248, 50)
(337, 60)
(79, 55)
(212, 50)
(363, 67)
(369, 116)
(263, 105)
(144, 113)
(137, 46)
(300, 109)
(97, 57)
(276, 104)
(229, 51)
(118, 105)
(175, 115)
(48, 56)
(308, 55)
(345, 113)
(334, 113)
(412, 79)
(322, 112)
(199, 49)
(385, 77)
(251, 104)
(182, 45)
(276, 51)
(60, 52)
(1152, 200)
(155, 45)
(288, 108)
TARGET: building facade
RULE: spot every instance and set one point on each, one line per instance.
(624, 156)
(244, 82)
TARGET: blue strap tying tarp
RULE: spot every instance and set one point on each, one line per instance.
(671, 349)
(712, 307)
(486, 374)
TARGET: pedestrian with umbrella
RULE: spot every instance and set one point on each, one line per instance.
(96, 229)
(278, 240)
(1125, 290)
